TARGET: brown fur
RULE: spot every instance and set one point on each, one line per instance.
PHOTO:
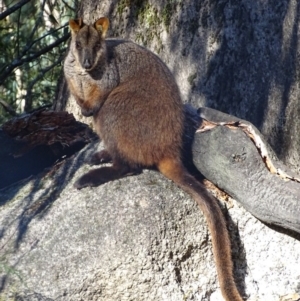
(139, 115)
(88, 98)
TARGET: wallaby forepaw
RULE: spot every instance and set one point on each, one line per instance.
(94, 177)
(100, 158)
(87, 112)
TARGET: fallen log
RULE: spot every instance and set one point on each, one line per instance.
(232, 154)
(32, 142)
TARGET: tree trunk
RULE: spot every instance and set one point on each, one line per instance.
(239, 57)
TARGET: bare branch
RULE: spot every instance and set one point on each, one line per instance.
(18, 62)
(29, 43)
(68, 6)
(49, 33)
(7, 107)
(32, 83)
(18, 32)
(36, 25)
(13, 8)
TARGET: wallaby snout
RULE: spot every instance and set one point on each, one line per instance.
(87, 64)
(87, 61)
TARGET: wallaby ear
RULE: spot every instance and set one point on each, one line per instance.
(75, 25)
(102, 25)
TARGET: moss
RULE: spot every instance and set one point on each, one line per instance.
(135, 5)
(168, 12)
(148, 16)
(191, 79)
(121, 6)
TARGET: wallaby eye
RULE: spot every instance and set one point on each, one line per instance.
(78, 45)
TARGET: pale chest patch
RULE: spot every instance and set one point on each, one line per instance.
(85, 89)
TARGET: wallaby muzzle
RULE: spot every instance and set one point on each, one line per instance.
(86, 60)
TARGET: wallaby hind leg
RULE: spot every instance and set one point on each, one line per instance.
(96, 177)
(100, 157)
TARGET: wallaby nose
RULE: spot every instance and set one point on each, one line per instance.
(87, 64)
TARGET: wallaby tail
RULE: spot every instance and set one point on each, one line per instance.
(175, 171)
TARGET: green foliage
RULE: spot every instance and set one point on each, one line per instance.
(33, 43)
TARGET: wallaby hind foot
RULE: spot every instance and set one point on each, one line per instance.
(98, 176)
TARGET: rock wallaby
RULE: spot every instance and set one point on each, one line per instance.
(139, 115)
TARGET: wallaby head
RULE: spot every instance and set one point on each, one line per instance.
(87, 43)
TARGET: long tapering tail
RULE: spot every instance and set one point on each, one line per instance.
(174, 170)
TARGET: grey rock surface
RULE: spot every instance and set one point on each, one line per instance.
(138, 238)
(141, 238)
